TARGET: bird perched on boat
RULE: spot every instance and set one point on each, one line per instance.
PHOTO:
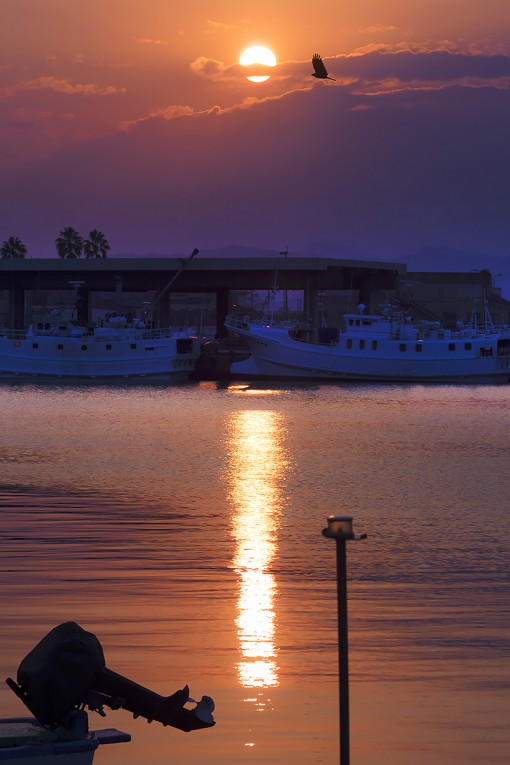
(320, 70)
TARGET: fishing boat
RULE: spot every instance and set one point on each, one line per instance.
(57, 346)
(390, 347)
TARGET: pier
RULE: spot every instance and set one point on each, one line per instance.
(219, 276)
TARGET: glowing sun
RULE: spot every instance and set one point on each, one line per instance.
(257, 54)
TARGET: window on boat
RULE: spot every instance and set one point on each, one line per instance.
(60, 347)
(350, 322)
(133, 346)
(374, 345)
(486, 351)
(84, 347)
(35, 345)
(108, 347)
(149, 347)
(361, 344)
(467, 346)
(418, 347)
(366, 322)
(451, 346)
(349, 343)
(357, 322)
(402, 347)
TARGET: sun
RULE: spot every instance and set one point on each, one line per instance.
(258, 54)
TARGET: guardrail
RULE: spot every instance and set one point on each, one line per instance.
(104, 334)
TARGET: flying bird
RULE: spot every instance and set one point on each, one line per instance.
(320, 70)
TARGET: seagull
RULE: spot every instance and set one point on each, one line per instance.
(320, 70)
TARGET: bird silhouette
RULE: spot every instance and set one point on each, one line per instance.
(320, 70)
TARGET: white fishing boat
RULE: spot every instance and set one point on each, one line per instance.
(56, 346)
(387, 347)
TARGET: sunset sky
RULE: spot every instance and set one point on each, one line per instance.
(136, 118)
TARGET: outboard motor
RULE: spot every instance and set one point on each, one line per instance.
(66, 671)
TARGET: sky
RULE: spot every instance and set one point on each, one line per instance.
(136, 118)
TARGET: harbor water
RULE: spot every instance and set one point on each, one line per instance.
(182, 525)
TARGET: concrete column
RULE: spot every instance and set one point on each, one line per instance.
(221, 312)
(17, 307)
(119, 308)
(82, 305)
(310, 303)
(163, 311)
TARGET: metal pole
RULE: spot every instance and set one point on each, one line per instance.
(343, 651)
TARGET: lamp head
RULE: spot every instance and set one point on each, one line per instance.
(339, 527)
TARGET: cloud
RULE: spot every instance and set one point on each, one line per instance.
(150, 41)
(176, 111)
(462, 47)
(431, 69)
(209, 68)
(165, 113)
(396, 86)
(63, 86)
(378, 29)
(214, 27)
(287, 74)
(315, 164)
(373, 65)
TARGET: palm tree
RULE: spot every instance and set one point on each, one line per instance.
(69, 243)
(13, 248)
(97, 245)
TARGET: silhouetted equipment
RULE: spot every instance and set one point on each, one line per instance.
(184, 264)
(66, 671)
(320, 70)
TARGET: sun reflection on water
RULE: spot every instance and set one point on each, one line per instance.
(257, 465)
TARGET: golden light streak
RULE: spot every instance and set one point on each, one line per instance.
(256, 465)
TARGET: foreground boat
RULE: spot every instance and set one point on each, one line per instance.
(24, 741)
(64, 674)
(389, 347)
(58, 348)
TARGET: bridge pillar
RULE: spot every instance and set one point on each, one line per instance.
(119, 302)
(82, 306)
(221, 312)
(163, 312)
(17, 307)
(310, 303)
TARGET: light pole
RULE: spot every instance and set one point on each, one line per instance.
(340, 529)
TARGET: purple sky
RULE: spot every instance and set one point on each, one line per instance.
(160, 141)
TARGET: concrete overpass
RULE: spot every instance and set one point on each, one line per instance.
(208, 275)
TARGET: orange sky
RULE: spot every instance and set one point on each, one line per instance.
(122, 80)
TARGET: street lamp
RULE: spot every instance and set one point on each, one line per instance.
(341, 529)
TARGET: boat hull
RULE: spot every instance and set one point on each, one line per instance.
(275, 355)
(50, 358)
(23, 741)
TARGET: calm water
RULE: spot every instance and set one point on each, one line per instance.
(183, 526)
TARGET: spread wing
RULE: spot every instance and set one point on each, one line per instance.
(318, 66)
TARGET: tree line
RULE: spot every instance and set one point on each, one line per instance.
(69, 244)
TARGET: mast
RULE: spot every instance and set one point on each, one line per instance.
(184, 264)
